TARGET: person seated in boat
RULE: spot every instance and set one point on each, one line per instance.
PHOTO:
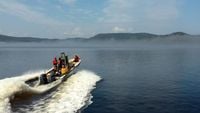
(51, 76)
(76, 58)
(64, 69)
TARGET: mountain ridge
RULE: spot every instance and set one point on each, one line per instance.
(6, 38)
(97, 37)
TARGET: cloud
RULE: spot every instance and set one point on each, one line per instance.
(159, 10)
(140, 15)
(118, 11)
(117, 29)
(66, 18)
(74, 32)
(25, 12)
(40, 23)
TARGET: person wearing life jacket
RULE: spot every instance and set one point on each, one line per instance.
(55, 62)
(76, 58)
(64, 69)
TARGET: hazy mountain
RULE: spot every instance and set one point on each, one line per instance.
(5, 38)
(122, 36)
(137, 36)
(104, 37)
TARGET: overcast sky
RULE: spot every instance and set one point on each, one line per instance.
(85, 18)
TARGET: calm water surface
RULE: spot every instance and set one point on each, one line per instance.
(135, 80)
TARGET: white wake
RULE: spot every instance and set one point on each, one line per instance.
(71, 96)
(10, 86)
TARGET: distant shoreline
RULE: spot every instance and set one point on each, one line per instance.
(100, 37)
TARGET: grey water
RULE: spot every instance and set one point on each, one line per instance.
(144, 79)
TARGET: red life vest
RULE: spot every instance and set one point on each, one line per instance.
(76, 58)
(55, 61)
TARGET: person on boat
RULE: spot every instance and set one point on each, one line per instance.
(76, 58)
(55, 62)
(60, 62)
(64, 69)
(51, 76)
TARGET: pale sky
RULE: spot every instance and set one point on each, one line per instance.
(85, 18)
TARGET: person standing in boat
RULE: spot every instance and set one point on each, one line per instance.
(60, 62)
(55, 62)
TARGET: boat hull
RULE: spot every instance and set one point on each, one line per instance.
(39, 87)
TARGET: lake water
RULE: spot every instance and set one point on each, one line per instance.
(133, 79)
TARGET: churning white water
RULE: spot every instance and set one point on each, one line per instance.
(71, 96)
(10, 86)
